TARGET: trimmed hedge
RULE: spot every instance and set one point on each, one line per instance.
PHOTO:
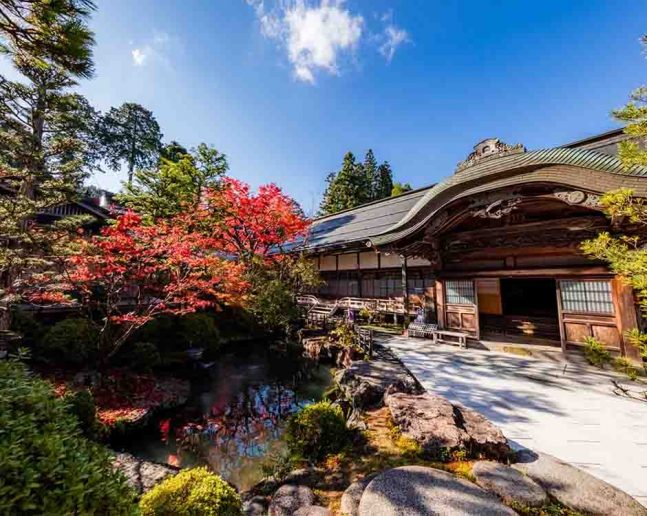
(71, 341)
(192, 491)
(46, 465)
(316, 431)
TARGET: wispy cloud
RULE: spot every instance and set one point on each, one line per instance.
(315, 36)
(392, 37)
(152, 49)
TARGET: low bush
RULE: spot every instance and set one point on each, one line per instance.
(71, 341)
(29, 328)
(192, 491)
(625, 366)
(81, 405)
(198, 331)
(345, 335)
(316, 431)
(163, 331)
(595, 352)
(143, 357)
(46, 465)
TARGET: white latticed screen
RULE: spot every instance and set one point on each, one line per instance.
(460, 292)
(587, 296)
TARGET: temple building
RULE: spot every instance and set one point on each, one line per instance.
(493, 250)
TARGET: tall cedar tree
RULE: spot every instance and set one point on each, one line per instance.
(347, 188)
(46, 132)
(384, 184)
(130, 135)
(627, 254)
(176, 184)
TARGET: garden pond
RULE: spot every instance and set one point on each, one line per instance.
(234, 418)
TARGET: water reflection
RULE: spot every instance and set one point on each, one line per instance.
(235, 416)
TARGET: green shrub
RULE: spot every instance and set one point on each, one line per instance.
(28, 327)
(71, 341)
(595, 352)
(346, 336)
(46, 465)
(316, 431)
(625, 366)
(143, 357)
(192, 492)
(199, 331)
(162, 331)
(81, 405)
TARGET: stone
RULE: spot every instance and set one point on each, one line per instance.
(353, 494)
(256, 506)
(576, 488)
(418, 491)
(509, 484)
(289, 498)
(438, 426)
(313, 510)
(365, 383)
(140, 474)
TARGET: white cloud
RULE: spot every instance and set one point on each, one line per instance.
(393, 38)
(314, 36)
(139, 56)
(152, 49)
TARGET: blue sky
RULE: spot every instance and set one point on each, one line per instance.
(285, 87)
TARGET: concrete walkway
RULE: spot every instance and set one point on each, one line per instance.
(561, 408)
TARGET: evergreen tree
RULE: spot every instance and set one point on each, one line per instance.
(400, 188)
(370, 170)
(175, 185)
(383, 186)
(46, 144)
(173, 151)
(347, 188)
(131, 135)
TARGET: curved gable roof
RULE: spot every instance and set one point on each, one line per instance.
(511, 167)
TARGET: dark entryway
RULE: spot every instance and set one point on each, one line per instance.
(528, 309)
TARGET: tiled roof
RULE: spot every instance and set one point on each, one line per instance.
(354, 227)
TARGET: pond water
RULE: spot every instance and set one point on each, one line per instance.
(236, 413)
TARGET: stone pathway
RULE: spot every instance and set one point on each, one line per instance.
(563, 409)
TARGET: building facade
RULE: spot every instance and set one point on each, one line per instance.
(493, 250)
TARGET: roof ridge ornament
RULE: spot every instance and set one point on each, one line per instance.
(488, 149)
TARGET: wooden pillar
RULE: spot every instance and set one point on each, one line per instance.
(626, 316)
(405, 289)
(440, 304)
(359, 277)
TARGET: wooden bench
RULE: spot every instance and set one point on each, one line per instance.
(423, 330)
(450, 337)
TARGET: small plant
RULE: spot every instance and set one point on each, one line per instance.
(595, 352)
(198, 331)
(638, 339)
(367, 314)
(81, 405)
(192, 491)
(346, 336)
(277, 465)
(316, 431)
(625, 366)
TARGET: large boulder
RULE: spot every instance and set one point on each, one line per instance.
(313, 510)
(508, 484)
(289, 498)
(365, 383)
(417, 490)
(440, 427)
(140, 474)
(576, 488)
(353, 494)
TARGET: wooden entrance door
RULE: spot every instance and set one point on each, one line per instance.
(460, 306)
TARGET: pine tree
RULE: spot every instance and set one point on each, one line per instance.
(383, 186)
(400, 188)
(131, 135)
(347, 188)
(370, 170)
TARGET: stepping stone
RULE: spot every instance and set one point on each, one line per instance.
(353, 494)
(313, 510)
(289, 498)
(576, 488)
(509, 484)
(421, 491)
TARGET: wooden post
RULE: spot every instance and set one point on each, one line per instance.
(405, 289)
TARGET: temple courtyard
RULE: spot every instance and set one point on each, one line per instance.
(561, 407)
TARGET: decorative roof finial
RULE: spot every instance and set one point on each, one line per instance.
(488, 149)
